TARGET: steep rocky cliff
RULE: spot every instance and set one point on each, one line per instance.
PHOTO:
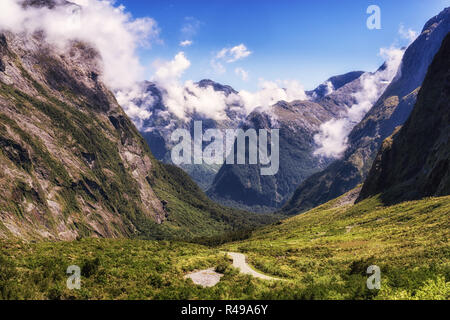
(73, 164)
(70, 156)
(391, 110)
(415, 161)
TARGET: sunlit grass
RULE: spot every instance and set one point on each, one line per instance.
(323, 254)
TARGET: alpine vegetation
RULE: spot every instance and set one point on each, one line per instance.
(127, 173)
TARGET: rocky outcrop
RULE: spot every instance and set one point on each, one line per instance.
(45, 3)
(333, 84)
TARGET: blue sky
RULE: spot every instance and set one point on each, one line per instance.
(307, 41)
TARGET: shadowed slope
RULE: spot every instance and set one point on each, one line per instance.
(415, 161)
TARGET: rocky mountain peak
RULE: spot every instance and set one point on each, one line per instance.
(435, 21)
(216, 86)
(334, 83)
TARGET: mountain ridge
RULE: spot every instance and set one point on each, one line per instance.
(299, 123)
(242, 186)
(414, 162)
(390, 111)
(74, 165)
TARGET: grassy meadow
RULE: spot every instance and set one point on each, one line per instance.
(322, 254)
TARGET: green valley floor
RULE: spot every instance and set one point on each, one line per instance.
(322, 254)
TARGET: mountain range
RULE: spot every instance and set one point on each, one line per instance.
(87, 186)
(299, 122)
(72, 163)
(305, 178)
(390, 111)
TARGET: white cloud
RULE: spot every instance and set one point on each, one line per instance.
(182, 99)
(270, 93)
(170, 71)
(333, 136)
(241, 73)
(330, 88)
(137, 112)
(229, 55)
(190, 27)
(236, 53)
(407, 34)
(218, 67)
(109, 29)
(186, 43)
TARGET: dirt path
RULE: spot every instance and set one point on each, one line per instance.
(239, 261)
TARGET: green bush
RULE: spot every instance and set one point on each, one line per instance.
(90, 267)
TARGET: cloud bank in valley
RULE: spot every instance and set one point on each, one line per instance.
(271, 92)
(333, 136)
(185, 98)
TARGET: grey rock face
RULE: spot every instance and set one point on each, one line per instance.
(45, 3)
(415, 161)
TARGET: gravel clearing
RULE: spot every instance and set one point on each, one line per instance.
(205, 278)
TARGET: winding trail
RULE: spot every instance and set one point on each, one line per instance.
(239, 261)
